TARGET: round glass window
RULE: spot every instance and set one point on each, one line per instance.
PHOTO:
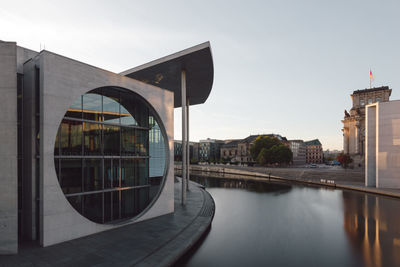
(110, 155)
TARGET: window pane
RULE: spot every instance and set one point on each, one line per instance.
(128, 109)
(108, 178)
(71, 137)
(111, 109)
(141, 138)
(75, 110)
(111, 140)
(127, 172)
(93, 207)
(107, 207)
(92, 133)
(115, 205)
(142, 174)
(157, 151)
(71, 175)
(116, 170)
(141, 199)
(127, 141)
(127, 203)
(93, 175)
(92, 107)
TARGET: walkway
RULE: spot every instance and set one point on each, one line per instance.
(157, 242)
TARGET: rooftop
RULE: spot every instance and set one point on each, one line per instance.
(314, 142)
(382, 88)
(166, 73)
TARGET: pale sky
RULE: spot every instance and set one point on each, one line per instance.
(284, 67)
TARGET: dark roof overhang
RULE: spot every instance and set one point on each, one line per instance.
(166, 73)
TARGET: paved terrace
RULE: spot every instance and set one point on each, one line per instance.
(327, 176)
(157, 242)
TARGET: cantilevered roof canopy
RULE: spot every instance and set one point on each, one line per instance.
(166, 73)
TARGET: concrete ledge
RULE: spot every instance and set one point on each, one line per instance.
(156, 242)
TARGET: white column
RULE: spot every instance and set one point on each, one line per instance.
(184, 137)
(188, 146)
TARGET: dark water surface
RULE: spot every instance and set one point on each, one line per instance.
(278, 224)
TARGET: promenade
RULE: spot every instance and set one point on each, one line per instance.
(157, 242)
(335, 177)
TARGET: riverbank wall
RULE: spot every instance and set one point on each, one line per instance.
(328, 177)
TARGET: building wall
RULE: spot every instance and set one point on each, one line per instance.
(387, 153)
(62, 81)
(370, 144)
(8, 149)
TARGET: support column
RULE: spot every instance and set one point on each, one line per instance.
(187, 146)
(184, 137)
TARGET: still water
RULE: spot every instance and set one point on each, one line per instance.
(278, 224)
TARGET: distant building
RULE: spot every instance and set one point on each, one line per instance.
(331, 154)
(298, 149)
(209, 149)
(354, 121)
(193, 150)
(314, 151)
(382, 157)
(229, 150)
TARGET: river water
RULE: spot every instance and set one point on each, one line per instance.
(279, 224)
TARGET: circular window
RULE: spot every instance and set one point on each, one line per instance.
(110, 155)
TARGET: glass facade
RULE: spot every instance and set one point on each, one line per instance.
(110, 155)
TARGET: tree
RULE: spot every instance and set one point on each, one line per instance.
(261, 142)
(344, 159)
(269, 150)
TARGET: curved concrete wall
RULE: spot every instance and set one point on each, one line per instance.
(62, 81)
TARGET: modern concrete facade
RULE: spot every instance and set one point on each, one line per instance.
(209, 149)
(354, 121)
(298, 149)
(39, 96)
(382, 156)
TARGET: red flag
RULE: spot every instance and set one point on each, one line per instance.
(370, 75)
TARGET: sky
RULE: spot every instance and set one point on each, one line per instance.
(286, 67)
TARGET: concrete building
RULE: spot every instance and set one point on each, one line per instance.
(209, 149)
(84, 150)
(193, 150)
(354, 121)
(382, 158)
(229, 150)
(298, 149)
(314, 152)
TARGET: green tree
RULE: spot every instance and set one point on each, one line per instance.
(261, 142)
(270, 150)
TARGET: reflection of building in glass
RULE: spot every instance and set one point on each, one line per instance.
(373, 228)
(354, 121)
(85, 150)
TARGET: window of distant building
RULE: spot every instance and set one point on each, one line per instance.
(378, 99)
(362, 102)
(369, 100)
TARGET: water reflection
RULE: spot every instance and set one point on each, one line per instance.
(277, 224)
(253, 186)
(372, 225)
